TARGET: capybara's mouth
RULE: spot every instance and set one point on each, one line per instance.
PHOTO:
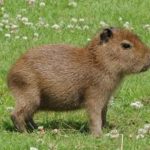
(145, 68)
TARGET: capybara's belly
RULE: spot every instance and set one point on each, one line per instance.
(60, 103)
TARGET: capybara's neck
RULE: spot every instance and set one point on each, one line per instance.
(99, 70)
(99, 58)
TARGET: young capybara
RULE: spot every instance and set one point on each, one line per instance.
(62, 77)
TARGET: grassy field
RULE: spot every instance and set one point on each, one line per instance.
(23, 25)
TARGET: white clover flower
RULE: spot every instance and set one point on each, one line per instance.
(5, 15)
(130, 135)
(33, 148)
(2, 9)
(7, 35)
(28, 23)
(52, 146)
(42, 4)
(136, 105)
(142, 131)
(24, 37)
(31, 2)
(146, 26)
(13, 26)
(40, 128)
(70, 26)
(55, 131)
(85, 27)
(120, 19)
(5, 21)
(72, 4)
(24, 19)
(113, 134)
(140, 136)
(36, 35)
(10, 108)
(126, 24)
(147, 127)
(55, 26)
(88, 39)
(103, 24)
(74, 20)
(81, 20)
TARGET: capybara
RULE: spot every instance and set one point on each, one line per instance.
(63, 77)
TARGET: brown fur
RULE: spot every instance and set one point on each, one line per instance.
(62, 77)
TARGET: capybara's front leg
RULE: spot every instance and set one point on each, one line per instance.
(95, 102)
(95, 122)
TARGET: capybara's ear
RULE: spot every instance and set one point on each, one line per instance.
(106, 34)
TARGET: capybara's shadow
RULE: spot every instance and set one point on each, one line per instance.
(8, 126)
(66, 125)
(55, 124)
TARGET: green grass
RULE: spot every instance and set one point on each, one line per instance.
(72, 126)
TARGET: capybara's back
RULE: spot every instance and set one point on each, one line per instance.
(56, 72)
(63, 77)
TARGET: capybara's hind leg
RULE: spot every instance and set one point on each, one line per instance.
(18, 121)
(27, 103)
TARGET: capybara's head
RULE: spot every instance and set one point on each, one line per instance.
(121, 49)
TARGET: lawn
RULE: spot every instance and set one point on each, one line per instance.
(24, 25)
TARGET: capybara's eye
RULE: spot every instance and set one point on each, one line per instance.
(126, 45)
